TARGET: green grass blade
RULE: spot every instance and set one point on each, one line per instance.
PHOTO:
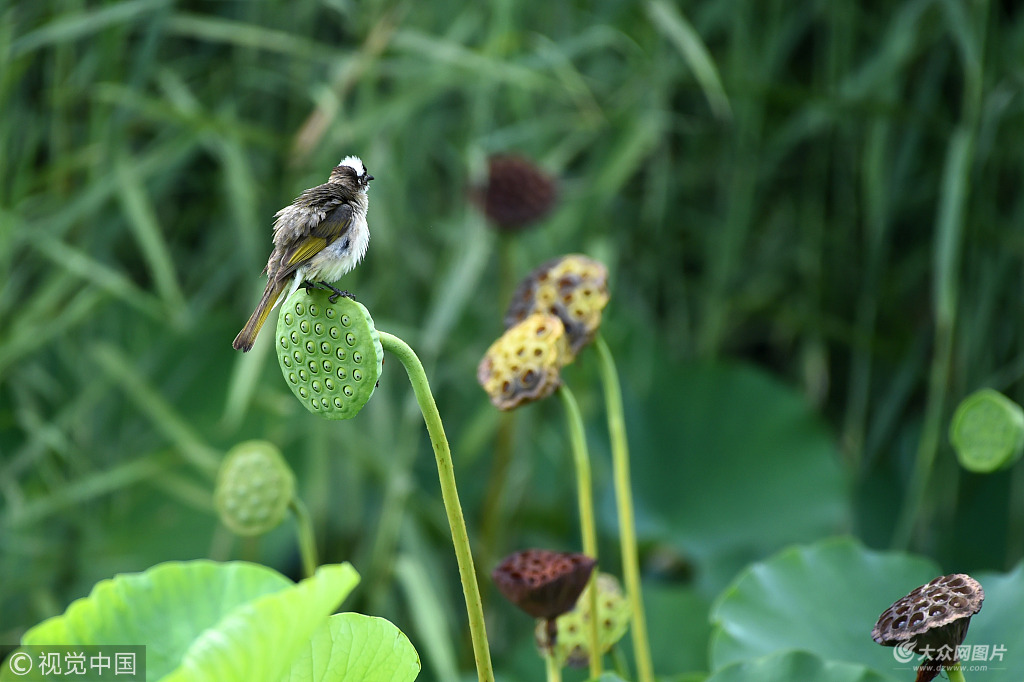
(669, 20)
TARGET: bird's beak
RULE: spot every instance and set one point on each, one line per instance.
(369, 177)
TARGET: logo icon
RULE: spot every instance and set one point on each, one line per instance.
(904, 652)
(20, 663)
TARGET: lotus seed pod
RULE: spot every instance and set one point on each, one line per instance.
(573, 287)
(330, 353)
(987, 432)
(525, 363)
(254, 487)
(543, 583)
(517, 194)
(572, 641)
(932, 621)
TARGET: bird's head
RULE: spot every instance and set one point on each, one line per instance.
(352, 174)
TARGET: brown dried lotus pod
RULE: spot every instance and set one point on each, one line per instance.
(517, 192)
(573, 287)
(525, 363)
(932, 621)
(543, 583)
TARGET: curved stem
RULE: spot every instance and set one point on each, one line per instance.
(450, 496)
(554, 671)
(307, 540)
(624, 503)
(581, 460)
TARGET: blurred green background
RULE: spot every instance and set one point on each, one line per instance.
(810, 209)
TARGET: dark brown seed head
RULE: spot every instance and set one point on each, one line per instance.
(517, 192)
(543, 583)
(932, 620)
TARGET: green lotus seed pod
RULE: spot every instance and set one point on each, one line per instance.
(572, 643)
(254, 487)
(987, 431)
(330, 353)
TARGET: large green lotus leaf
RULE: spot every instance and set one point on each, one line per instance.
(795, 666)
(352, 647)
(258, 641)
(734, 464)
(164, 607)
(823, 598)
(190, 611)
(1000, 623)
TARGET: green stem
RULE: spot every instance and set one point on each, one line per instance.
(554, 672)
(450, 496)
(956, 673)
(624, 502)
(307, 541)
(581, 460)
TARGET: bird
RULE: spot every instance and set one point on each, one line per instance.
(318, 239)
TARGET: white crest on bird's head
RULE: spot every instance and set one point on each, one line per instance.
(355, 163)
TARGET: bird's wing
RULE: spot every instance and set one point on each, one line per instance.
(320, 234)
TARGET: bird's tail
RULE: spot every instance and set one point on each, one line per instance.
(247, 336)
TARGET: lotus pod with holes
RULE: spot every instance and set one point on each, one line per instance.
(543, 583)
(573, 287)
(525, 364)
(932, 621)
(254, 488)
(572, 642)
(330, 353)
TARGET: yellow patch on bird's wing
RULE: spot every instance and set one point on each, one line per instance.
(310, 247)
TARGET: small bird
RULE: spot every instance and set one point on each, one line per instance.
(318, 238)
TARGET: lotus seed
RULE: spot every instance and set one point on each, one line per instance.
(357, 375)
(350, 339)
(304, 326)
(314, 311)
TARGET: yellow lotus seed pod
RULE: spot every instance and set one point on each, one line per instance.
(573, 287)
(254, 487)
(572, 642)
(525, 363)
